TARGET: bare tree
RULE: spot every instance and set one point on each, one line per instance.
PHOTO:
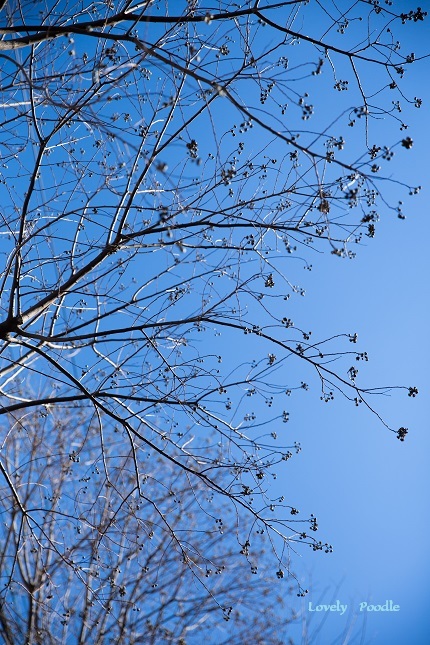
(88, 564)
(161, 164)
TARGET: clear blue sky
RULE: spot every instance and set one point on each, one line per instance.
(368, 490)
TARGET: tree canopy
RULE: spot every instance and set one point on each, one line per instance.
(163, 166)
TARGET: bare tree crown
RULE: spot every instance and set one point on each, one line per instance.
(162, 164)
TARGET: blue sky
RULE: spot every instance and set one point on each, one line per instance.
(368, 490)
